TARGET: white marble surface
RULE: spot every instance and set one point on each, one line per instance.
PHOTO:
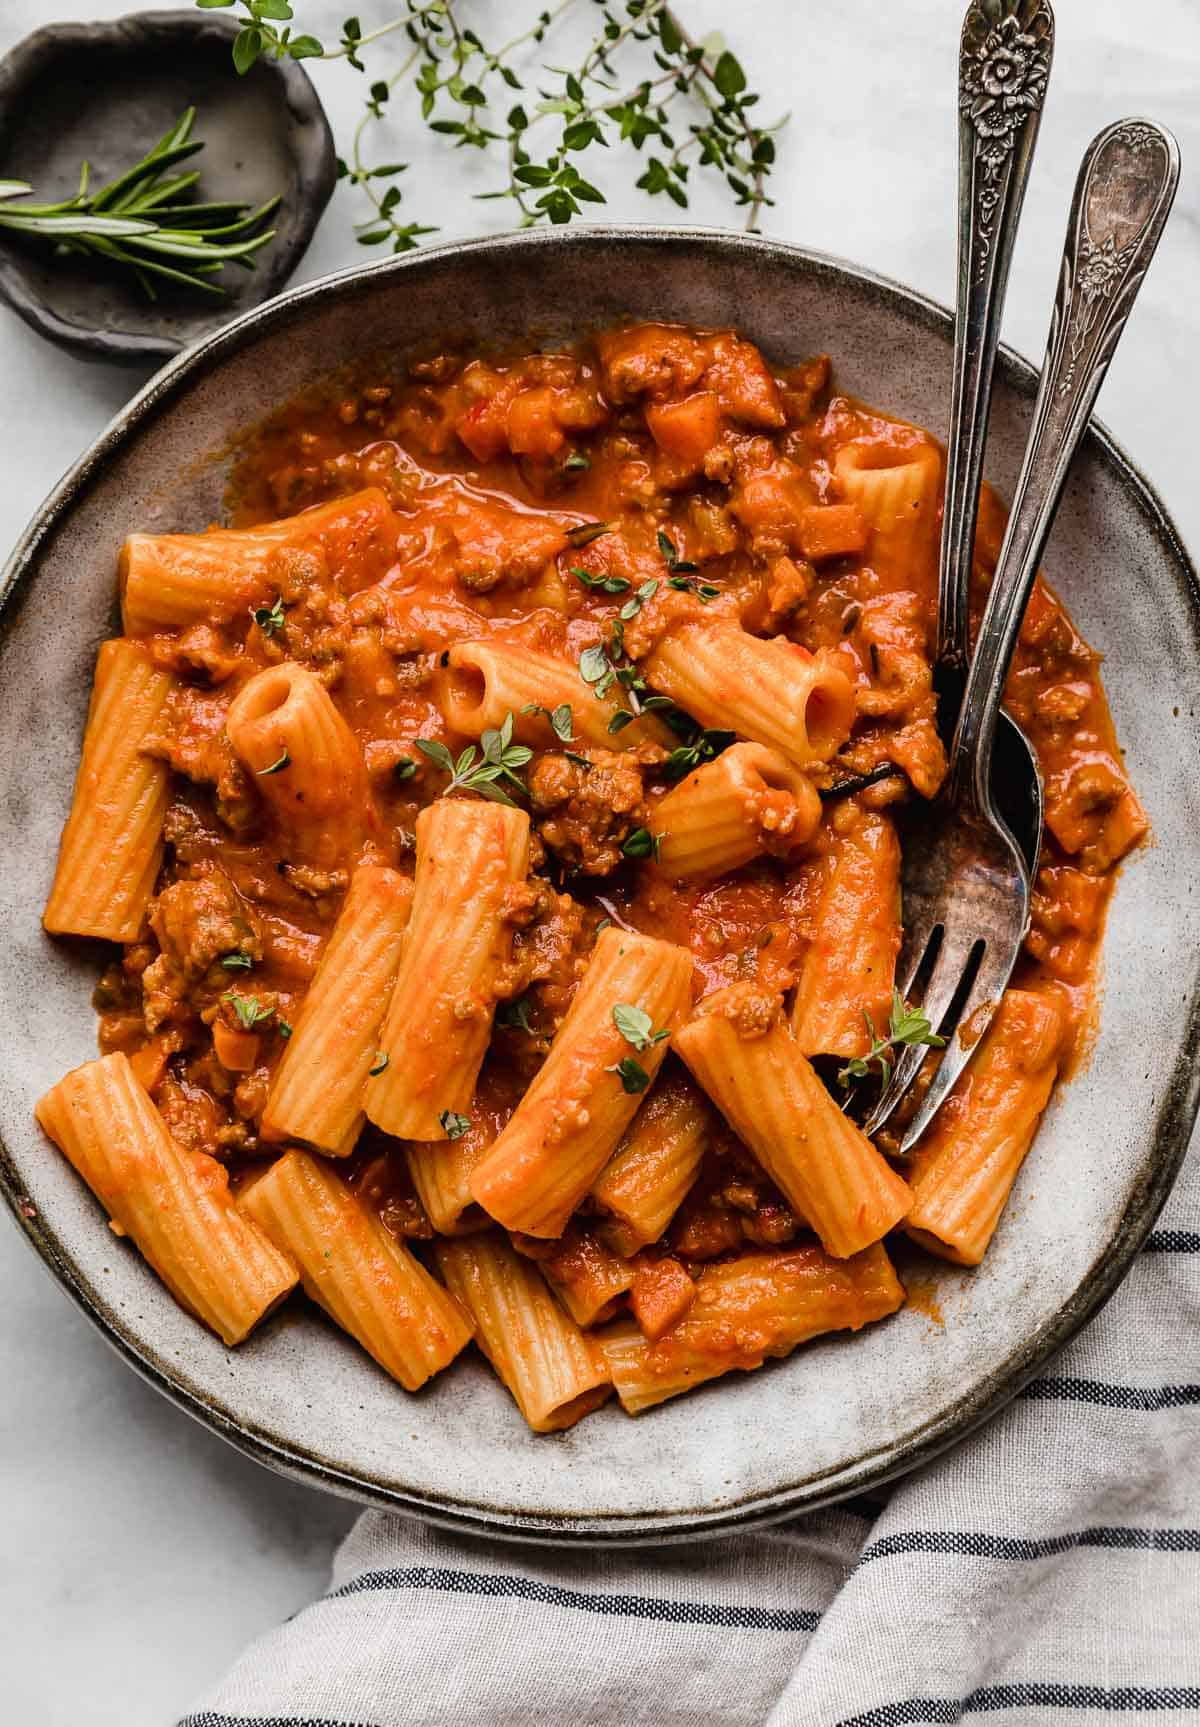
(140, 1552)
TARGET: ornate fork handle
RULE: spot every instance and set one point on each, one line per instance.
(1122, 198)
(1003, 67)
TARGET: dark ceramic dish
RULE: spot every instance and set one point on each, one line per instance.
(840, 1416)
(107, 92)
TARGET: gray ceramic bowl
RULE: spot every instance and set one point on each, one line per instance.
(840, 1416)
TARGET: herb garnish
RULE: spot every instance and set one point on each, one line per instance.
(633, 606)
(583, 533)
(270, 619)
(454, 1126)
(514, 1015)
(675, 563)
(604, 584)
(142, 220)
(636, 1026)
(631, 1074)
(249, 1010)
(236, 961)
(702, 746)
(381, 1061)
(907, 1025)
(577, 461)
(405, 768)
(283, 1028)
(560, 719)
(704, 591)
(276, 766)
(500, 758)
(642, 844)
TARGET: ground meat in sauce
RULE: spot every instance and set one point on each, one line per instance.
(585, 814)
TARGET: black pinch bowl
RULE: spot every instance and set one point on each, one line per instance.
(847, 1412)
(106, 93)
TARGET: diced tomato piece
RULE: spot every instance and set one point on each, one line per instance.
(832, 531)
(150, 1063)
(660, 1295)
(235, 1050)
(687, 429)
(484, 427)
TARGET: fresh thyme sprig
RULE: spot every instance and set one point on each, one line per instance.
(143, 221)
(907, 1025)
(479, 769)
(686, 105)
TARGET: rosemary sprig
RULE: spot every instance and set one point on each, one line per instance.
(143, 221)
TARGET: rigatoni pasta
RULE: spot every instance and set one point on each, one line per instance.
(568, 715)
(440, 1015)
(172, 581)
(482, 682)
(174, 1204)
(751, 801)
(740, 1050)
(111, 846)
(846, 978)
(316, 1095)
(570, 1120)
(771, 692)
(747, 1309)
(305, 760)
(368, 1282)
(963, 1170)
(643, 1184)
(556, 1375)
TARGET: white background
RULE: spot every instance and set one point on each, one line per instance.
(140, 1553)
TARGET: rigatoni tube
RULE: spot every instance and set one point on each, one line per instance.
(740, 1050)
(747, 1309)
(174, 1204)
(964, 1168)
(644, 1183)
(367, 1281)
(895, 486)
(771, 692)
(748, 802)
(849, 967)
(111, 846)
(169, 581)
(316, 1094)
(305, 760)
(584, 1096)
(483, 682)
(471, 857)
(555, 1373)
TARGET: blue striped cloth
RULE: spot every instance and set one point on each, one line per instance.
(1047, 1571)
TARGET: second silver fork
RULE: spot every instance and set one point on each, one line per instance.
(966, 885)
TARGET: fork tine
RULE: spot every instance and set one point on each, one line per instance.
(985, 993)
(952, 960)
(905, 1071)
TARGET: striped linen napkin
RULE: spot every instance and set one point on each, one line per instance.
(1046, 1571)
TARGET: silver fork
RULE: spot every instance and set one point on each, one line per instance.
(966, 885)
(1004, 60)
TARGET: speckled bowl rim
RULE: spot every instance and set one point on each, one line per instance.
(869, 1471)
